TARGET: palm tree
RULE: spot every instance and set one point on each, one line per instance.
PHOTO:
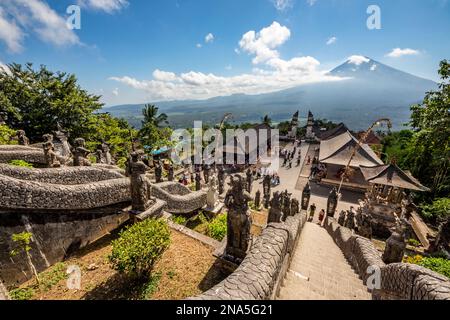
(267, 120)
(150, 113)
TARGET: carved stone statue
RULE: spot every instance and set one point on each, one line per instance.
(206, 172)
(266, 191)
(258, 199)
(341, 219)
(395, 245)
(275, 211)
(286, 204)
(80, 154)
(171, 173)
(51, 158)
(198, 181)
(22, 138)
(212, 196)
(141, 199)
(221, 178)
(364, 225)
(350, 220)
(62, 145)
(158, 172)
(106, 153)
(238, 220)
(249, 180)
(295, 207)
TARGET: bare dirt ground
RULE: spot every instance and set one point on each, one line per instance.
(186, 268)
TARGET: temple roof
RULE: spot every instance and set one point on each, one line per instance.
(338, 150)
(392, 175)
(332, 133)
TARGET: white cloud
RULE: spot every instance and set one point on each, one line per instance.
(237, 51)
(228, 67)
(10, 33)
(273, 74)
(263, 43)
(282, 5)
(163, 75)
(331, 41)
(115, 92)
(198, 45)
(373, 67)
(397, 52)
(311, 2)
(358, 60)
(209, 38)
(4, 68)
(34, 16)
(109, 6)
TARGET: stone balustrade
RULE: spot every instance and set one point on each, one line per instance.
(399, 281)
(260, 274)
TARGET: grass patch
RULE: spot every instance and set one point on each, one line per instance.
(22, 294)
(151, 286)
(439, 265)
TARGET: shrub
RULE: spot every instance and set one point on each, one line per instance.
(139, 247)
(6, 134)
(439, 265)
(151, 286)
(179, 220)
(22, 294)
(217, 228)
(414, 243)
(20, 163)
(440, 208)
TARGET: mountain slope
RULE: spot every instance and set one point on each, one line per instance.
(370, 90)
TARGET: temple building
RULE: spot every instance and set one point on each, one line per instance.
(386, 200)
(335, 154)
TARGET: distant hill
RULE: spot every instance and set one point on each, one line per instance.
(372, 90)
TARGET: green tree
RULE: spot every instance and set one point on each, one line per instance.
(266, 120)
(153, 134)
(430, 157)
(37, 100)
(6, 135)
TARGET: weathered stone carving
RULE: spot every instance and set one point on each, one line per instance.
(258, 199)
(141, 199)
(171, 173)
(206, 173)
(332, 202)
(62, 145)
(212, 196)
(106, 153)
(249, 180)
(221, 178)
(341, 219)
(364, 225)
(198, 181)
(306, 196)
(266, 191)
(295, 207)
(80, 154)
(49, 152)
(395, 245)
(275, 211)
(350, 220)
(286, 204)
(22, 138)
(238, 219)
(158, 172)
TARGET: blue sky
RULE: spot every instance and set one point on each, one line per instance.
(133, 51)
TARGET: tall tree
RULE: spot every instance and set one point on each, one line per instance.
(267, 120)
(429, 159)
(151, 116)
(153, 134)
(37, 100)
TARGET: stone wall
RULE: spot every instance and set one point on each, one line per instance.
(55, 236)
(31, 195)
(15, 152)
(260, 275)
(178, 201)
(65, 175)
(400, 281)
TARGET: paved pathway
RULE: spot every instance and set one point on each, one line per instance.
(319, 271)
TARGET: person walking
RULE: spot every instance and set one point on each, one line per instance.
(312, 211)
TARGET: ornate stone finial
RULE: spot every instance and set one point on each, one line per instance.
(332, 202)
(212, 196)
(295, 207)
(158, 172)
(249, 176)
(221, 178)
(171, 173)
(238, 219)
(80, 154)
(198, 181)
(306, 196)
(258, 199)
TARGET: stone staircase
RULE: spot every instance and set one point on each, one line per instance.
(319, 271)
